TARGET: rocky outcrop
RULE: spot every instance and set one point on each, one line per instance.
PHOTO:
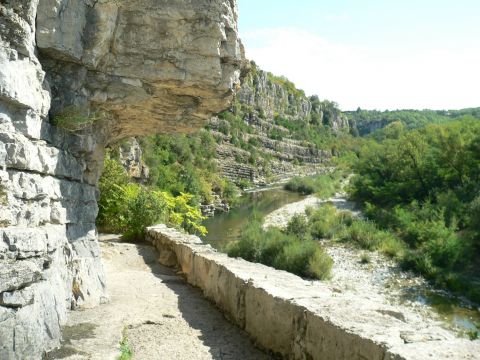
(130, 156)
(155, 67)
(134, 66)
(300, 319)
(265, 146)
(270, 97)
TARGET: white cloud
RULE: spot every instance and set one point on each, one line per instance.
(366, 77)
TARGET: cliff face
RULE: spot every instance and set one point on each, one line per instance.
(275, 117)
(145, 67)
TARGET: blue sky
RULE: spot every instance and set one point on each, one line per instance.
(374, 54)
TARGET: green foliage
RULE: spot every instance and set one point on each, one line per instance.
(125, 352)
(244, 184)
(323, 186)
(379, 121)
(276, 134)
(73, 118)
(365, 235)
(423, 187)
(365, 258)
(327, 222)
(286, 84)
(282, 250)
(143, 208)
(129, 208)
(186, 164)
(297, 226)
(111, 203)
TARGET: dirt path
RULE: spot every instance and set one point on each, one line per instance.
(164, 317)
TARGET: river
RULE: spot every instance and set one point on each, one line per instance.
(380, 276)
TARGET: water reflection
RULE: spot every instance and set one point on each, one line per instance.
(225, 227)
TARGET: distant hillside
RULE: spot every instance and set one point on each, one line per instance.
(274, 130)
(368, 121)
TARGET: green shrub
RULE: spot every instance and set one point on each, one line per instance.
(323, 186)
(298, 226)
(129, 208)
(111, 204)
(72, 118)
(244, 184)
(143, 208)
(392, 246)
(320, 265)
(365, 258)
(281, 250)
(303, 186)
(364, 234)
(295, 257)
(126, 352)
(325, 222)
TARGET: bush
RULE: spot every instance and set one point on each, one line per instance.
(129, 208)
(281, 250)
(320, 265)
(297, 226)
(323, 186)
(143, 208)
(325, 222)
(72, 118)
(364, 234)
(112, 202)
(244, 184)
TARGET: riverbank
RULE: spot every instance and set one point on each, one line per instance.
(298, 318)
(371, 275)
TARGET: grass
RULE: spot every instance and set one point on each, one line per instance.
(324, 186)
(72, 118)
(327, 222)
(125, 352)
(283, 250)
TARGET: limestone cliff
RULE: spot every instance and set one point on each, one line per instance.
(274, 131)
(130, 155)
(146, 66)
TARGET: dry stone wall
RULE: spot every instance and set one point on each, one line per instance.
(300, 319)
(148, 66)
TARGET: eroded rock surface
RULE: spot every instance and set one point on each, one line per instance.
(139, 66)
(157, 66)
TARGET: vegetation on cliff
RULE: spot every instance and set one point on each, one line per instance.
(186, 164)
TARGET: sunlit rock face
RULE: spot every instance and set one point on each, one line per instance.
(158, 66)
(145, 66)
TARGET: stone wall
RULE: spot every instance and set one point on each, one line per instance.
(300, 319)
(146, 68)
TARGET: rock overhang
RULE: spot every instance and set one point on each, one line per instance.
(154, 66)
